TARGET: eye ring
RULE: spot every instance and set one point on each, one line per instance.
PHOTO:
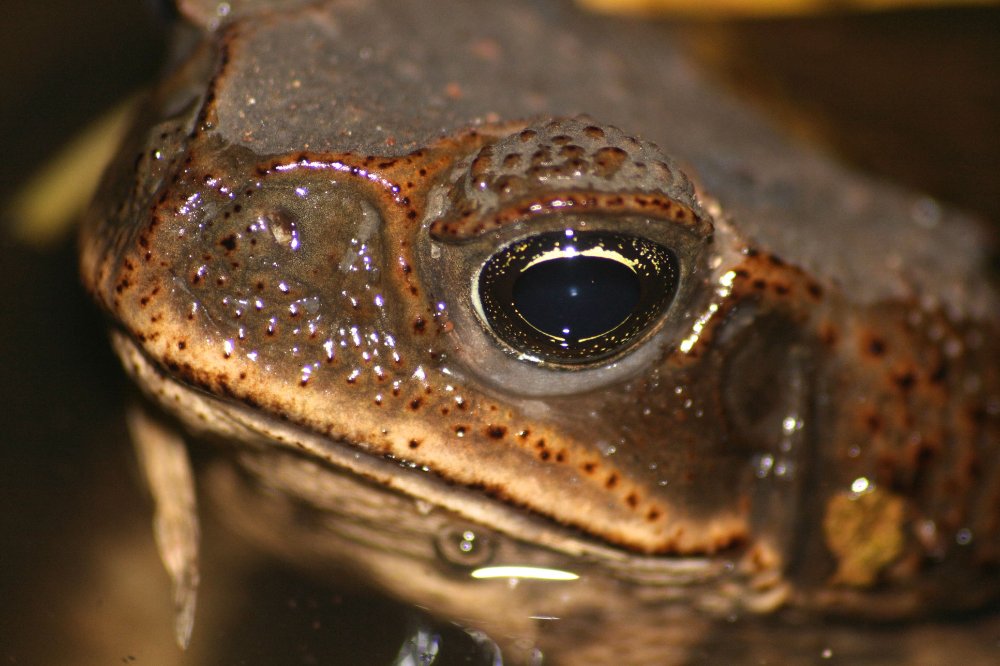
(573, 298)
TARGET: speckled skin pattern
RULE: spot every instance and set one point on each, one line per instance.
(295, 225)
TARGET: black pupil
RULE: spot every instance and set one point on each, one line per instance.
(576, 297)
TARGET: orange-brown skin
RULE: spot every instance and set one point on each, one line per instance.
(302, 277)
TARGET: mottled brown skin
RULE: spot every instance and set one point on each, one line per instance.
(301, 245)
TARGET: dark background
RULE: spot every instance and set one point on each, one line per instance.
(911, 96)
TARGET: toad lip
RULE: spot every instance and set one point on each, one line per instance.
(197, 408)
(720, 584)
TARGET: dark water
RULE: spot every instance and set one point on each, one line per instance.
(912, 96)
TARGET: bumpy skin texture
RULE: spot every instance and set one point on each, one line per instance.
(292, 233)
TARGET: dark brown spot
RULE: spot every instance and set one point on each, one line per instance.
(653, 514)
(496, 432)
(876, 347)
(612, 480)
(415, 404)
(906, 380)
(873, 422)
(229, 242)
(940, 373)
(632, 500)
(414, 444)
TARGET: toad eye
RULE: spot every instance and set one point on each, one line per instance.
(575, 297)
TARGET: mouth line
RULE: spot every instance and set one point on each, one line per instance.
(204, 413)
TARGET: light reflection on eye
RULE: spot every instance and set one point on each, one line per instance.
(523, 572)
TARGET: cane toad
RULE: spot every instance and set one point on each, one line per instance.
(486, 284)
